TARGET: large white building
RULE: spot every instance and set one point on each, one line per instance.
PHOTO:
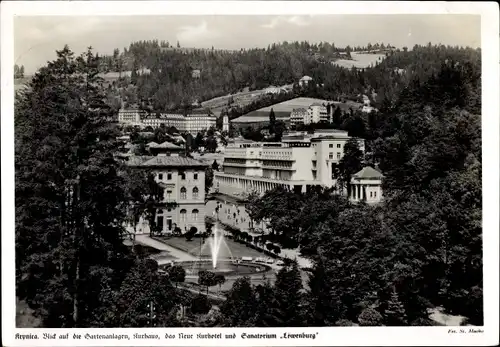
(300, 160)
(298, 116)
(191, 123)
(183, 181)
(131, 116)
(315, 113)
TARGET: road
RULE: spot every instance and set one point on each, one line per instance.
(180, 255)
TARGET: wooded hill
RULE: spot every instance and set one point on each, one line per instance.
(170, 82)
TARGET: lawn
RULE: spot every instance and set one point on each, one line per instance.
(237, 250)
(360, 61)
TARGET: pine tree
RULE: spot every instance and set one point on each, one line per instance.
(239, 307)
(69, 201)
(289, 295)
(395, 314)
(272, 122)
(268, 313)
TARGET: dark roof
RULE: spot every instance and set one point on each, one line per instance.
(167, 145)
(165, 161)
(137, 160)
(368, 172)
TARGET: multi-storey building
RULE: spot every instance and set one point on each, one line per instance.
(315, 113)
(297, 162)
(298, 116)
(191, 123)
(183, 180)
(194, 123)
(132, 116)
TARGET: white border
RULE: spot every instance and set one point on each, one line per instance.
(327, 336)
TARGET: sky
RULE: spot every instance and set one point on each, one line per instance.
(36, 38)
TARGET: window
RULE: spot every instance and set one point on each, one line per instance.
(195, 176)
(195, 193)
(331, 155)
(183, 175)
(339, 145)
(169, 194)
(374, 194)
(371, 194)
(338, 155)
(169, 176)
(183, 193)
(160, 177)
(183, 215)
(330, 145)
(195, 214)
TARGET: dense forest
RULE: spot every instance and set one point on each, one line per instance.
(165, 76)
(373, 265)
(422, 247)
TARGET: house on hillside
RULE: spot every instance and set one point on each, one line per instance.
(304, 81)
(196, 73)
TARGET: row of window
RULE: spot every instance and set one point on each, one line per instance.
(181, 174)
(338, 145)
(195, 193)
(183, 212)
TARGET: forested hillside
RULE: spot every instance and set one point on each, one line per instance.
(422, 248)
(169, 82)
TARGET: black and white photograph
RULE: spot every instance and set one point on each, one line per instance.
(212, 170)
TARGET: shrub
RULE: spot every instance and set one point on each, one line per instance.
(370, 318)
(200, 305)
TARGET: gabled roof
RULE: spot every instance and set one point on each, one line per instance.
(152, 144)
(166, 145)
(316, 104)
(368, 172)
(164, 161)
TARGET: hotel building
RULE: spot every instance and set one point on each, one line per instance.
(315, 113)
(132, 116)
(191, 123)
(183, 180)
(300, 160)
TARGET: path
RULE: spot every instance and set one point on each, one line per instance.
(196, 291)
(180, 255)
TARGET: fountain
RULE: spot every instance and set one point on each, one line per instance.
(215, 256)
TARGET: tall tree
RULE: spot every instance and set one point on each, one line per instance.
(272, 122)
(69, 199)
(350, 163)
(289, 288)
